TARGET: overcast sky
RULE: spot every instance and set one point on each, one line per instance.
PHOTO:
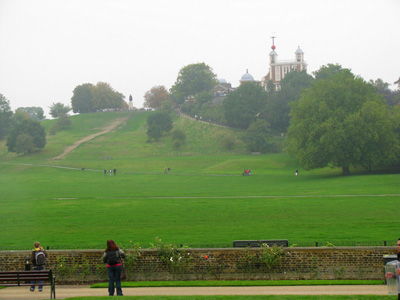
(48, 47)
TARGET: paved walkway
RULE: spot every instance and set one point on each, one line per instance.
(64, 291)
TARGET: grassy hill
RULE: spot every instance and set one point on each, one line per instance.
(203, 201)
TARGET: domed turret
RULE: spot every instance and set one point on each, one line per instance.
(246, 77)
(299, 55)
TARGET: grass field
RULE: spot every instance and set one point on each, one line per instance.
(203, 201)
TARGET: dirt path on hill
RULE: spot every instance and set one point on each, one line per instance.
(180, 113)
(106, 129)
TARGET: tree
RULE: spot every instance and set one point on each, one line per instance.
(245, 104)
(331, 69)
(33, 112)
(193, 79)
(278, 103)
(378, 139)
(331, 124)
(104, 96)
(90, 98)
(158, 124)
(5, 116)
(26, 136)
(82, 99)
(156, 97)
(258, 137)
(382, 88)
(58, 109)
(200, 106)
(178, 137)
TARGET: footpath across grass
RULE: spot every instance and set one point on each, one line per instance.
(247, 297)
(208, 283)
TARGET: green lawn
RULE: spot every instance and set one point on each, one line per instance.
(203, 201)
(81, 209)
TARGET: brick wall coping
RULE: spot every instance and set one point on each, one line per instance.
(390, 249)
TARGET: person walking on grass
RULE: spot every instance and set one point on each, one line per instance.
(397, 273)
(38, 260)
(113, 257)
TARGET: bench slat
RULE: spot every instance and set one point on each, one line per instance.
(26, 284)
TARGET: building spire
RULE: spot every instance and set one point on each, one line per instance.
(273, 42)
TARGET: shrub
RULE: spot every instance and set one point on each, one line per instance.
(178, 134)
(228, 142)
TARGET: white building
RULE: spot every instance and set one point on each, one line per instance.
(279, 68)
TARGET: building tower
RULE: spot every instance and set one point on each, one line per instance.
(130, 102)
(278, 69)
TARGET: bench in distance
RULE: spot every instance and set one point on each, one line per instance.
(259, 243)
(23, 278)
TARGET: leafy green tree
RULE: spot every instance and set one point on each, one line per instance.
(258, 137)
(228, 142)
(331, 124)
(58, 109)
(278, 103)
(62, 123)
(156, 97)
(104, 96)
(158, 124)
(382, 88)
(200, 106)
(378, 139)
(6, 115)
(192, 80)
(331, 69)
(33, 112)
(178, 134)
(245, 104)
(26, 136)
(24, 144)
(178, 138)
(82, 99)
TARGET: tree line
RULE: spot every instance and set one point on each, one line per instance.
(333, 118)
(330, 118)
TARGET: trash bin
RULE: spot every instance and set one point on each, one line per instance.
(388, 258)
(392, 283)
(27, 266)
(27, 263)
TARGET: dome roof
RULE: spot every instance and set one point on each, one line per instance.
(222, 80)
(247, 77)
(299, 51)
(273, 52)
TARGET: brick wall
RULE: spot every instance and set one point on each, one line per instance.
(83, 266)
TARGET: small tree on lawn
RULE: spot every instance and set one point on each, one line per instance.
(158, 124)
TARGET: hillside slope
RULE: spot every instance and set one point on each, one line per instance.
(88, 141)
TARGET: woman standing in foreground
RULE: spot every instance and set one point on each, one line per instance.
(113, 257)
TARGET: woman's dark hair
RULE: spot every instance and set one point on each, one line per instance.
(111, 246)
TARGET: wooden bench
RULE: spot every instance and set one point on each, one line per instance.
(259, 243)
(23, 278)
